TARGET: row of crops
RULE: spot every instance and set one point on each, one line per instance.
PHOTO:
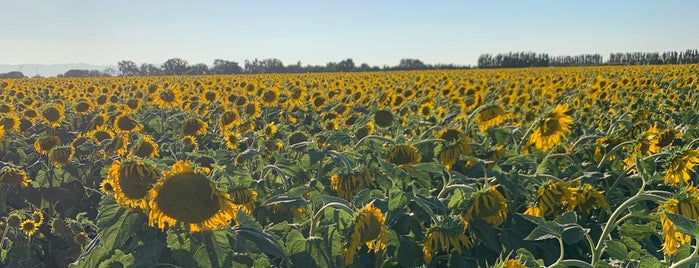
(588, 167)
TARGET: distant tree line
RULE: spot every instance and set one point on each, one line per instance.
(531, 59)
(178, 66)
(15, 74)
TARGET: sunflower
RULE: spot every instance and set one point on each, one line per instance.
(447, 235)
(190, 144)
(365, 130)
(458, 144)
(252, 110)
(232, 139)
(552, 128)
(131, 181)
(126, 124)
(269, 130)
(672, 238)
(61, 156)
(490, 116)
(107, 187)
(680, 166)
(53, 115)
(270, 96)
(118, 145)
(10, 122)
(318, 102)
(244, 199)
(82, 107)
(297, 96)
(552, 198)
(646, 144)
(204, 207)
(404, 155)
(369, 229)
(346, 185)
(44, 145)
(14, 176)
(77, 144)
(81, 238)
(59, 227)
(193, 126)
(297, 137)
(586, 197)
(100, 134)
(229, 118)
(604, 145)
(29, 227)
(2, 132)
(146, 148)
(383, 118)
(488, 205)
(168, 98)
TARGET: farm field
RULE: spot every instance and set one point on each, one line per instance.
(528, 167)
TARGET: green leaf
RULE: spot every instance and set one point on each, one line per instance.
(295, 242)
(456, 199)
(573, 234)
(396, 198)
(544, 229)
(636, 231)
(125, 260)
(569, 217)
(245, 220)
(117, 224)
(430, 167)
(683, 224)
(287, 201)
(649, 261)
(201, 249)
(631, 244)
(616, 249)
(262, 241)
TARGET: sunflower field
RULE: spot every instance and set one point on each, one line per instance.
(558, 167)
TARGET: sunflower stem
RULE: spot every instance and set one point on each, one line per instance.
(316, 217)
(375, 137)
(612, 151)
(612, 221)
(691, 259)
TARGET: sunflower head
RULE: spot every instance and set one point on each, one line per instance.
(585, 198)
(458, 144)
(131, 181)
(29, 227)
(53, 115)
(190, 144)
(44, 145)
(193, 126)
(552, 198)
(369, 229)
(204, 207)
(552, 128)
(445, 236)
(672, 238)
(244, 199)
(59, 227)
(347, 184)
(14, 176)
(145, 148)
(228, 118)
(383, 118)
(126, 124)
(404, 155)
(490, 116)
(489, 205)
(680, 166)
(61, 156)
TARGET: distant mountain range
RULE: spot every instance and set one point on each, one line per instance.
(51, 70)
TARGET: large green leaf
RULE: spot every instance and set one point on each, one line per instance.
(117, 224)
(683, 224)
(396, 198)
(201, 249)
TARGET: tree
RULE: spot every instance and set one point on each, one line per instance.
(411, 64)
(175, 66)
(198, 69)
(346, 65)
(150, 69)
(225, 67)
(128, 68)
(14, 74)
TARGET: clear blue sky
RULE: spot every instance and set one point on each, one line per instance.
(316, 32)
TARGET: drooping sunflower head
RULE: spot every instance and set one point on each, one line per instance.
(14, 176)
(297, 137)
(672, 238)
(490, 116)
(82, 107)
(458, 144)
(369, 229)
(131, 181)
(347, 184)
(44, 145)
(78, 143)
(10, 122)
(145, 148)
(365, 130)
(126, 124)
(53, 115)
(244, 199)
(489, 205)
(585, 198)
(190, 144)
(184, 195)
(404, 155)
(228, 118)
(680, 166)
(59, 227)
(552, 198)
(193, 126)
(61, 156)
(100, 134)
(552, 128)
(445, 236)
